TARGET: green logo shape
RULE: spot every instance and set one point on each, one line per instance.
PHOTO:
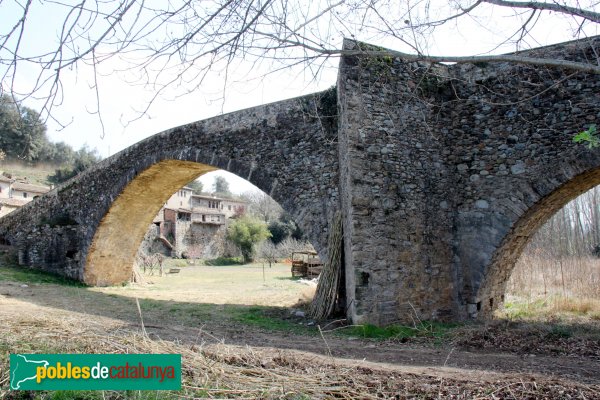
(95, 371)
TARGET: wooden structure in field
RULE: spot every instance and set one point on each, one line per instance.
(306, 264)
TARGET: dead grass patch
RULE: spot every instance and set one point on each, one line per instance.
(222, 371)
(566, 288)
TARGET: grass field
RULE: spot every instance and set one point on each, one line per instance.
(249, 284)
(233, 327)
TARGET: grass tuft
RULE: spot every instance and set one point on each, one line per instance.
(26, 275)
(400, 332)
(224, 261)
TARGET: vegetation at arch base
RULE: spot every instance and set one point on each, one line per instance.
(95, 371)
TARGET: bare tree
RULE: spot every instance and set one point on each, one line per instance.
(180, 43)
(571, 232)
(267, 252)
(262, 206)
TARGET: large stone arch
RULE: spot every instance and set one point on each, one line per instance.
(121, 230)
(90, 228)
(549, 193)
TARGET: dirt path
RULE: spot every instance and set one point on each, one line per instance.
(446, 359)
(28, 303)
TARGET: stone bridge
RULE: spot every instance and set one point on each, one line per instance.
(442, 173)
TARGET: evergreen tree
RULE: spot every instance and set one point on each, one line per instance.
(22, 133)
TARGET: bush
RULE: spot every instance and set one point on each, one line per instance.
(246, 233)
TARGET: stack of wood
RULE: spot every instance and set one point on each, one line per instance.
(325, 298)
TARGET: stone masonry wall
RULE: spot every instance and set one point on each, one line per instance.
(446, 171)
(204, 241)
(509, 144)
(398, 242)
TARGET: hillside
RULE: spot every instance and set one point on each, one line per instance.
(37, 175)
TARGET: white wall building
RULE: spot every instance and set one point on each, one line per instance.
(14, 194)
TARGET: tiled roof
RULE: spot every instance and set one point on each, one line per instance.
(27, 187)
(206, 196)
(5, 179)
(210, 197)
(13, 202)
(235, 201)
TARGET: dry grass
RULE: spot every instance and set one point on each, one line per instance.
(50, 318)
(576, 305)
(221, 371)
(36, 174)
(536, 275)
(540, 287)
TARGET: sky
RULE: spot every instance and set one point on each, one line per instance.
(237, 185)
(77, 122)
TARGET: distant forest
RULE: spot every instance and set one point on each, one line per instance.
(23, 139)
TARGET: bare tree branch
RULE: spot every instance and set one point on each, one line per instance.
(534, 5)
(176, 46)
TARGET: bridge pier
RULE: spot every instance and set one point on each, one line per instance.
(446, 171)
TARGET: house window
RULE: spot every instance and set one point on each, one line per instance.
(229, 207)
(183, 216)
(24, 195)
(203, 218)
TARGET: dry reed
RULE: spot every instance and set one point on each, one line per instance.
(557, 285)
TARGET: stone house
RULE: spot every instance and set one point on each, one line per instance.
(194, 226)
(8, 205)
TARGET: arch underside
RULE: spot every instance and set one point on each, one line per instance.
(268, 146)
(491, 292)
(118, 237)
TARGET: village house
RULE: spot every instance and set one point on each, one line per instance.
(195, 226)
(27, 191)
(16, 193)
(8, 205)
(5, 184)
